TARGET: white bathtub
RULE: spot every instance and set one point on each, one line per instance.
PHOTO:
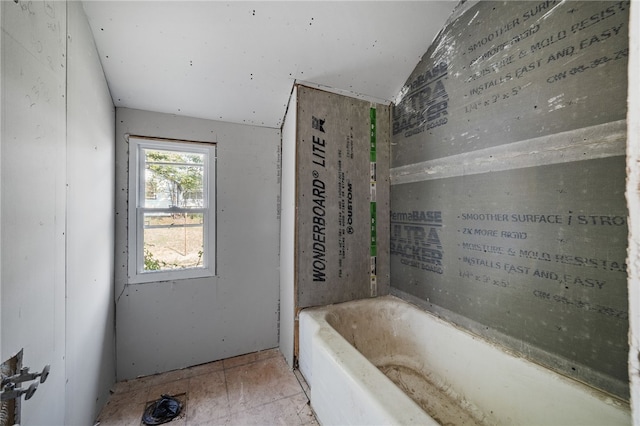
(457, 377)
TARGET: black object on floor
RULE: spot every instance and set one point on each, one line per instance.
(161, 411)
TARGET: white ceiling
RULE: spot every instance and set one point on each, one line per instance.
(237, 61)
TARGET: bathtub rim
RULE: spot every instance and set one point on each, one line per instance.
(393, 405)
(616, 407)
(555, 363)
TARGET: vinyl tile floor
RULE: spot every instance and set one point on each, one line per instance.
(253, 389)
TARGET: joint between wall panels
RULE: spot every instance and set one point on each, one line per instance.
(588, 143)
(373, 289)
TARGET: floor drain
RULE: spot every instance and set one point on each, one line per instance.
(162, 410)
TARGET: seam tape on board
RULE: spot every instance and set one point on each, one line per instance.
(373, 283)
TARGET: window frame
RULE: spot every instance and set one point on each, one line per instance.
(136, 209)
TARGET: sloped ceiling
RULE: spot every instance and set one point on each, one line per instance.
(237, 61)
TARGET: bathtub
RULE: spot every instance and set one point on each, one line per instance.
(383, 361)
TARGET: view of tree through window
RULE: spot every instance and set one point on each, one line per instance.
(172, 209)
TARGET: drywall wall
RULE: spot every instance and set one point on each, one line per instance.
(342, 198)
(57, 224)
(287, 230)
(33, 197)
(508, 214)
(90, 334)
(168, 325)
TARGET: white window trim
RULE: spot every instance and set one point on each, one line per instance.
(137, 275)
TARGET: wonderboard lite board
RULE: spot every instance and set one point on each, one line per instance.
(342, 198)
(508, 214)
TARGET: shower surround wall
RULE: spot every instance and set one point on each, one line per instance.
(335, 203)
(508, 214)
(342, 190)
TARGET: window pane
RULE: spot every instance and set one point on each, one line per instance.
(173, 179)
(173, 241)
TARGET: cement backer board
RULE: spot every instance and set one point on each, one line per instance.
(509, 71)
(333, 185)
(525, 267)
(534, 252)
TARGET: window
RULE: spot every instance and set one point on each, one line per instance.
(171, 210)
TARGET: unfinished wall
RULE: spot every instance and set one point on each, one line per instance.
(342, 157)
(507, 201)
(90, 334)
(173, 324)
(57, 223)
(287, 230)
(33, 197)
(633, 202)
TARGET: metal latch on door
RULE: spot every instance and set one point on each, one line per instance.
(10, 390)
